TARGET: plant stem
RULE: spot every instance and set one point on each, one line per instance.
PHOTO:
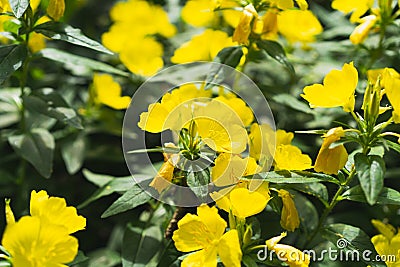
(332, 204)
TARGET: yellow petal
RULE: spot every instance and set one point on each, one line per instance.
(331, 160)
(56, 9)
(243, 29)
(289, 217)
(245, 203)
(108, 92)
(239, 107)
(385, 229)
(338, 89)
(298, 25)
(198, 12)
(361, 32)
(164, 177)
(10, 219)
(197, 231)
(289, 157)
(54, 210)
(358, 7)
(33, 242)
(392, 90)
(229, 249)
(199, 48)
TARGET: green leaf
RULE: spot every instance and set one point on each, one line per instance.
(315, 189)
(275, 50)
(292, 102)
(286, 177)
(73, 153)
(67, 58)
(351, 239)
(229, 56)
(79, 258)
(37, 147)
(387, 196)
(19, 7)
(107, 184)
(11, 59)
(392, 145)
(104, 258)
(198, 181)
(132, 198)
(249, 261)
(370, 171)
(50, 103)
(140, 244)
(67, 33)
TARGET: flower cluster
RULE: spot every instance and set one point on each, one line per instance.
(42, 238)
(138, 47)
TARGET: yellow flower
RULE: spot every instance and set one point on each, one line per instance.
(33, 242)
(242, 202)
(239, 107)
(43, 239)
(229, 168)
(243, 29)
(289, 217)
(385, 229)
(392, 89)
(164, 176)
(199, 48)
(54, 210)
(331, 160)
(270, 25)
(374, 74)
(288, 4)
(298, 25)
(291, 255)
(337, 91)
(290, 157)
(220, 127)
(204, 233)
(262, 141)
(56, 9)
(361, 31)
(131, 35)
(200, 13)
(108, 92)
(36, 42)
(175, 109)
(358, 7)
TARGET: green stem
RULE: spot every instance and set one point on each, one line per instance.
(332, 204)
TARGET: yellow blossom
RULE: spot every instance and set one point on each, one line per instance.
(358, 7)
(261, 141)
(108, 92)
(288, 4)
(242, 202)
(374, 74)
(200, 13)
(56, 9)
(392, 89)
(361, 31)
(175, 109)
(239, 106)
(289, 217)
(331, 160)
(36, 42)
(33, 242)
(338, 89)
(243, 29)
(270, 25)
(385, 229)
(298, 25)
(290, 157)
(204, 233)
(54, 210)
(293, 257)
(199, 48)
(137, 48)
(229, 168)
(10, 219)
(164, 176)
